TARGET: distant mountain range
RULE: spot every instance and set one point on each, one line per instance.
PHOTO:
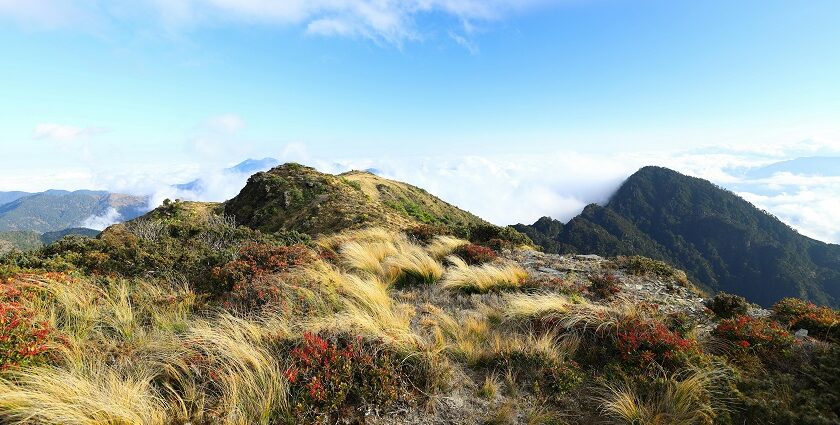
(30, 220)
(808, 166)
(722, 241)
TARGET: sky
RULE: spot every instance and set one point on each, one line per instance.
(512, 109)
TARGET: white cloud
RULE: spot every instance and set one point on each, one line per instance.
(100, 222)
(504, 189)
(226, 123)
(41, 13)
(63, 133)
(464, 42)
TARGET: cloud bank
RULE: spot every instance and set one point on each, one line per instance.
(508, 189)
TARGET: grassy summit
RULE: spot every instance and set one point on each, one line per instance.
(295, 197)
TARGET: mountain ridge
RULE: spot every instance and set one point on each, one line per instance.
(722, 241)
(56, 210)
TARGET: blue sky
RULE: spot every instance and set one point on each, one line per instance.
(107, 93)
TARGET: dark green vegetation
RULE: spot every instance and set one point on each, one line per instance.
(27, 241)
(723, 242)
(57, 210)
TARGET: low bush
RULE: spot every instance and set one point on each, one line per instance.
(494, 236)
(643, 266)
(748, 334)
(256, 260)
(23, 339)
(330, 377)
(727, 306)
(425, 233)
(605, 285)
(641, 342)
(475, 254)
(821, 322)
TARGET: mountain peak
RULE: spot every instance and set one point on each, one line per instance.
(722, 241)
(295, 197)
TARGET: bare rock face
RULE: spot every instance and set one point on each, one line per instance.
(670, 293)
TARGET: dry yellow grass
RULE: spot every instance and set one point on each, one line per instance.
(411, 265)
(482, 279)
(253, 389)
(368, 310)
(373, 234)
(536, 306)
(91, 396)
(683, 401)
(490, 387)
(367, 256)
(442, 246)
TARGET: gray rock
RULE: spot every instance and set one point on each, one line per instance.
(801, 334)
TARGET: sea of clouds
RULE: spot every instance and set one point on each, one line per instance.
(508, 189)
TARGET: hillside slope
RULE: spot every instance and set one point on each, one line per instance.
(57, 210)
(299, 198)
(6, 197)
(722, 241)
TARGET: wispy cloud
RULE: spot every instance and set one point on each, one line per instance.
(392, 21)
(63, 133)
(226, 123)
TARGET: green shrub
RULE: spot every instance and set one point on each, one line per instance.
(643, 266)
(727, 306)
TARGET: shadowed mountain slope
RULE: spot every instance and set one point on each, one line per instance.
(722, 241)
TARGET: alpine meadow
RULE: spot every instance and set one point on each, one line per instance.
(419, 212)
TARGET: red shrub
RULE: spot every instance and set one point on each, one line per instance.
(751, 334)
(260, 259)
(23, 340)
(821, 322)
(327, 377)
(643, 342)
(475, 254)
(605, 285)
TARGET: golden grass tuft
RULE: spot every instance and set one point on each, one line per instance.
(490, 387)
(482, 279)
(252, 386)
(685, 400)
(373, 234)
(442, 246)
(368, 310)
(411, 265)
(536, 306)
(90, 396)
(367, 256)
